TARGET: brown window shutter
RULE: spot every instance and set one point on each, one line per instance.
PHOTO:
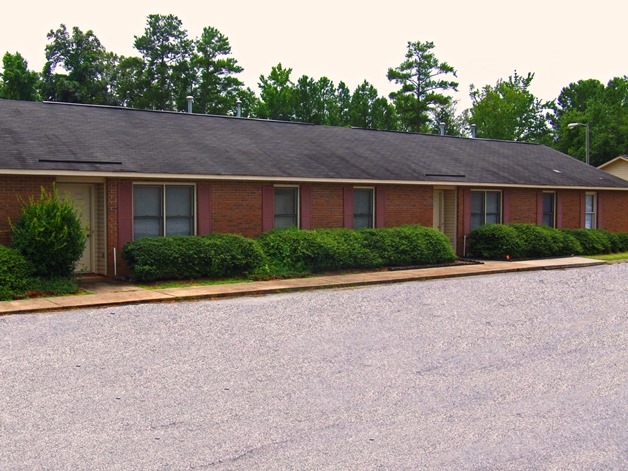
(125, 213)
(539, 208)
(600, 211)
(380, 204)
(268, 208)
(348, 207)
(306, 207)
(466, 205)
(505, 207)
(204, 216)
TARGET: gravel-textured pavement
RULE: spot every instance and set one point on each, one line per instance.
(514, 371)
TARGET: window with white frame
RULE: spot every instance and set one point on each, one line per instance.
(486, 207)
(163, 210)
(590, 207)
(363, 203)
(549, 209)
(286, 206)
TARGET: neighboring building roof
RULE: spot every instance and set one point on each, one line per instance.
(618, 167)
(92, 140)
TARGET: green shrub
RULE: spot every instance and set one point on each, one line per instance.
(622, 241)
(342, 249)
(291, 251)
(15, 273)
(294, 251)
(188, 257)
(592, 241)
(49, 235)
(495, 242)
(409, 245)
(543, 241)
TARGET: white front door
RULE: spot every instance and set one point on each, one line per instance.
(444, 206)
(81, 195)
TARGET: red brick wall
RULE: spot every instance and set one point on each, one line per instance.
(12, 189)
(523, 205)
(570, 208)
(236, 207)
(408, 205)
(614, 210)
(327, 204)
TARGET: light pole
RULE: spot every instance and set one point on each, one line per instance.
(586, 137)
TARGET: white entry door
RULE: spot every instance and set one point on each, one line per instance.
(81, 195)
(444, 210)
(439, 210)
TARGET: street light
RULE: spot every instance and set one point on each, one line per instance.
(586, 137)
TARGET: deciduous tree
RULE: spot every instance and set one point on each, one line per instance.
(509, 111)
(84, 65)
(16, 81)
(603, 108)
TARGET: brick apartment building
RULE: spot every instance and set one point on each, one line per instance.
(136, 173)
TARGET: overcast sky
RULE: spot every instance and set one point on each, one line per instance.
(484, 40)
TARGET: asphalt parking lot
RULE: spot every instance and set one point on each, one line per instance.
(514, 371)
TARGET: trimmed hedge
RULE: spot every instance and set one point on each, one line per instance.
(284, 252)
(15, 273)
(188, 257)
(314, 251)
(592, 241)
(520, 241)
(495, 242)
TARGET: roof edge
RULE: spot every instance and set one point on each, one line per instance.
(248, 178)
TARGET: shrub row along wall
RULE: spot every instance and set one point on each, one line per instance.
(521, 241)
(284, 252)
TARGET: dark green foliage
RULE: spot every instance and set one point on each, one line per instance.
(15, 272)
(592, 241)
(409, 245)
(293, 251)
(188, 257)
(543, 241)
(622, 241)
(49, 234)
(495, 242)
(498, 241)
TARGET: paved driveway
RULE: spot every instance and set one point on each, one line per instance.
(515, 371)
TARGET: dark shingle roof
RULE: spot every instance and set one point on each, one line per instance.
(103, 140)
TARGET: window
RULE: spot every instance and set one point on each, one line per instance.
(160, 210)
(286, 207)
(363, 208)
(549, 209)
(486, 208)
(590, 206)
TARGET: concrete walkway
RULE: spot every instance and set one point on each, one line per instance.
(101, 292)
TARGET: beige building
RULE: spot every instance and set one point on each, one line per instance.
(618, 167)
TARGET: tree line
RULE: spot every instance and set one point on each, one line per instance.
(171, 66)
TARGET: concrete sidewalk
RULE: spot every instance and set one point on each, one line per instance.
(103, 292)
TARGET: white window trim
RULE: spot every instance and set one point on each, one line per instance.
(298, 203)
(163, 202)
(594, 213)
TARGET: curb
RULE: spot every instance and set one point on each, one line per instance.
(261, 288)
